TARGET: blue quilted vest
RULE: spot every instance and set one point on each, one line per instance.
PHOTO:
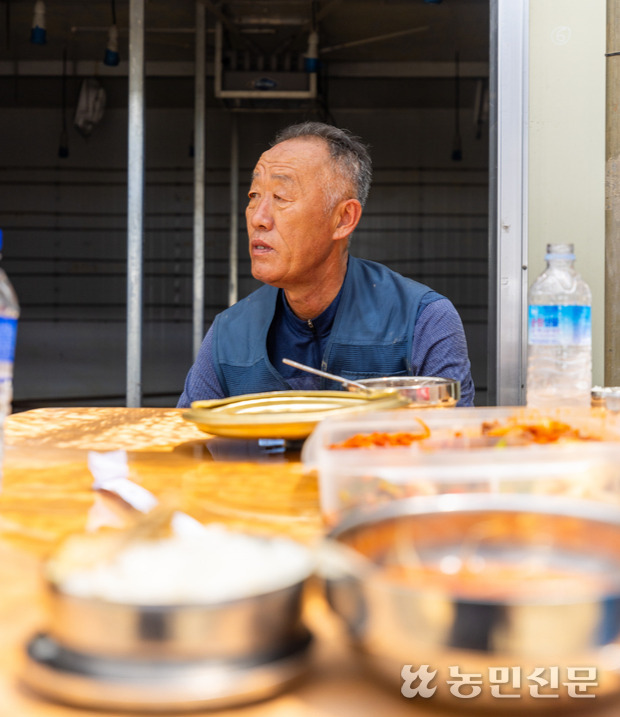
(372, 333)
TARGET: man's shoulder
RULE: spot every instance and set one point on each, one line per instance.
(240, 331)
(376, 271)
(262, 298)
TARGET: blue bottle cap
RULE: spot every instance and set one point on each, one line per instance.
(566, 257)
(111, 58)
(38, 35)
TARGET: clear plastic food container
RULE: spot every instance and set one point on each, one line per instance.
(463, 450)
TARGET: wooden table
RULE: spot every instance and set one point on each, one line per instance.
(47, 494)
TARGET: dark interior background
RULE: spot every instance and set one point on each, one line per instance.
(410, 77)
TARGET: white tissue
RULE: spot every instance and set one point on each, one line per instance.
(110, 471)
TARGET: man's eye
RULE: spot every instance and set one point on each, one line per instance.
(252, 195)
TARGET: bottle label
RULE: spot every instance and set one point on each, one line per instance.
(560, 325)
(8, 335)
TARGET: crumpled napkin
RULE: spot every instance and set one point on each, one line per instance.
(110, 471)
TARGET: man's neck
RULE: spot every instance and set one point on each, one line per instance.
(308, 303)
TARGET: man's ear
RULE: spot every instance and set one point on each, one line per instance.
(348, 215)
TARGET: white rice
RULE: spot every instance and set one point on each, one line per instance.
(211, 567)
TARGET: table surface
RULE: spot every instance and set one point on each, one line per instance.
(47, 495)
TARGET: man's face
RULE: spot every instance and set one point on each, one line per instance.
(289, 230)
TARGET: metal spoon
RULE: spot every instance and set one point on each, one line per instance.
(324, 374)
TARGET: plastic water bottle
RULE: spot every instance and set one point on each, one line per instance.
(559, 361)
(9, 313)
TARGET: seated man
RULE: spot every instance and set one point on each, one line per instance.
(321, 306)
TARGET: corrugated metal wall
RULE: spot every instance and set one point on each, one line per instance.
(64, 223)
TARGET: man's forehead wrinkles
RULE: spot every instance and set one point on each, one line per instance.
(280, 174)
(283, 177)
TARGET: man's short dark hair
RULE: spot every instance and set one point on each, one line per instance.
(349, 153)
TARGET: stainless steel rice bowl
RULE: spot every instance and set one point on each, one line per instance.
(236, 629)
(106, 646)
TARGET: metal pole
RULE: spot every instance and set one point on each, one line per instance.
(233, 269)
(612, 198)
(508, 96)
(135, 202)
(199, 179)
(492, 318)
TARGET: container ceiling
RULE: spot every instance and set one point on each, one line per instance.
(410, 44)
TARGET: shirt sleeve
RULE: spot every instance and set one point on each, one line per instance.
(440, 347)
(201, 382)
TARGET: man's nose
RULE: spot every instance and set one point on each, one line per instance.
(260, 216)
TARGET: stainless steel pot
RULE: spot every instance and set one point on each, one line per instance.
(415, 622)
(431, 391)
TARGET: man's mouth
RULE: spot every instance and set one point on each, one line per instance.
(260, 247)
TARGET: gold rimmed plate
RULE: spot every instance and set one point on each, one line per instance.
(291, 415)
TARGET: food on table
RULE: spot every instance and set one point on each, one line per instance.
(546, 430)
(492, 579)
(461, 456)
(209, 567)
(512, 432)
(378, 439)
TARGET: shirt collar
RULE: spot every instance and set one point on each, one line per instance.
(318, 326)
